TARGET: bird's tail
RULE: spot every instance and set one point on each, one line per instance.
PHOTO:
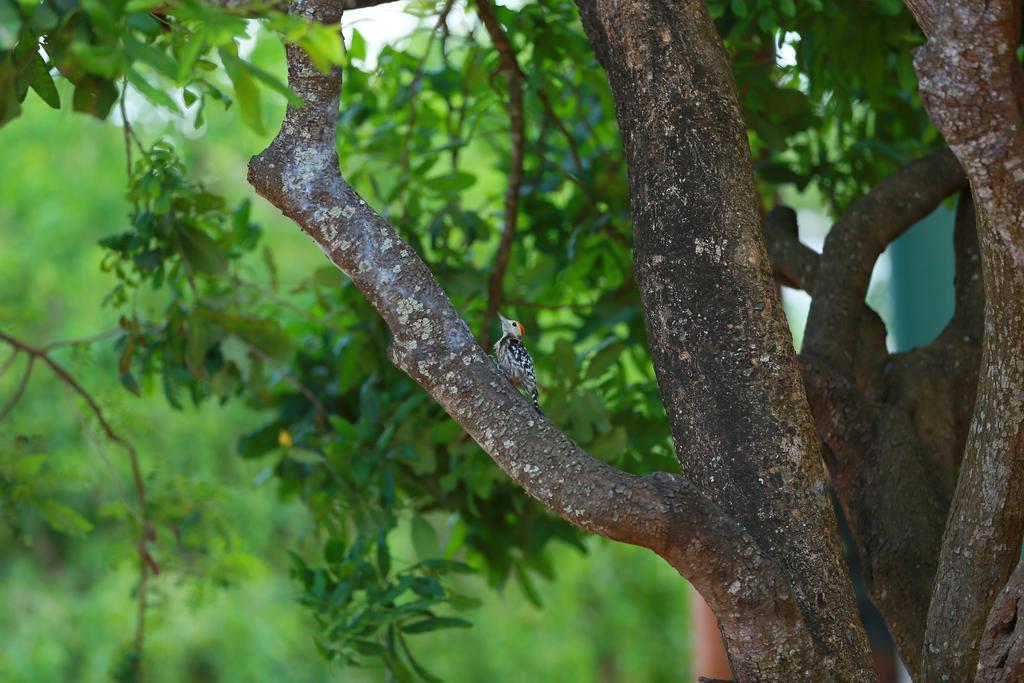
(536, 403)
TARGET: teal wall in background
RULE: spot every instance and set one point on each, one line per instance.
(921, 284)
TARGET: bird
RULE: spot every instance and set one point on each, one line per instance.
(514, 360)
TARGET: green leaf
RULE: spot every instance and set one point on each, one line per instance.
(383, 554)
(101, 60)
(424, 538)
(457, 539)
(142, 5)
(334, 551)
(604, 359)
(435, 624)
(201, 251)
(416, 666)
(264, 335)
(95, 96)
(526, 585)
(357, 46)
(246, 93)
(451, 183)
(10, 100)
(447, 566)
(273, 83)
(346, 430)
(155, 95)
(152, 56)
(324, 46)
(63, 518)
(195, 46)
(195, 346)
(305, 456)
(128, 382)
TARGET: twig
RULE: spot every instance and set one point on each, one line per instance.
(146, 562)
(513, 78)
(9, 362)
(414, 91)
(129, 132)
(88, 429)
(9, 406)
(549, 111)
(280, 301)
(102, 336)
(321, 412)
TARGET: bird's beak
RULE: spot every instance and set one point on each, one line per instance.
(503, 318)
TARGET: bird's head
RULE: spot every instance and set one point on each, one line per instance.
(511, 327)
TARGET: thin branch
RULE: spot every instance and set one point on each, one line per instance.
(9, 362)
(146, 562)
(101, 451)
(410, 123)
(20, 390)
(83, 341)
(574, 152)
(517, 126)
(281, 301)
(129, 132)
(318, 406)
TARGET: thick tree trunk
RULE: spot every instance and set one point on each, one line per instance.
(718, 336)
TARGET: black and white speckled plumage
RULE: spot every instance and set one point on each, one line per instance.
(515, 362)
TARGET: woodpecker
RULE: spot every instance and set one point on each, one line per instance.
(514, 360)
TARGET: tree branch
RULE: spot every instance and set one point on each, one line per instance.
(857, 240)
(1001, 653)
(299, 174)
(514, 82)
(973, 89)
(894, 431)
(794, 264)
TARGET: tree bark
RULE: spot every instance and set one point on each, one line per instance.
(973, 89)
(1001, 657)
(874, 411)
(719, 340)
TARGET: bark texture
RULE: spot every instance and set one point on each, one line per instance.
(973, 88)
(751, 593)
(893, 426)
(718, 336)
(1002, 646)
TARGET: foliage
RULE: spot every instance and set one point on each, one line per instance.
(424, 139)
